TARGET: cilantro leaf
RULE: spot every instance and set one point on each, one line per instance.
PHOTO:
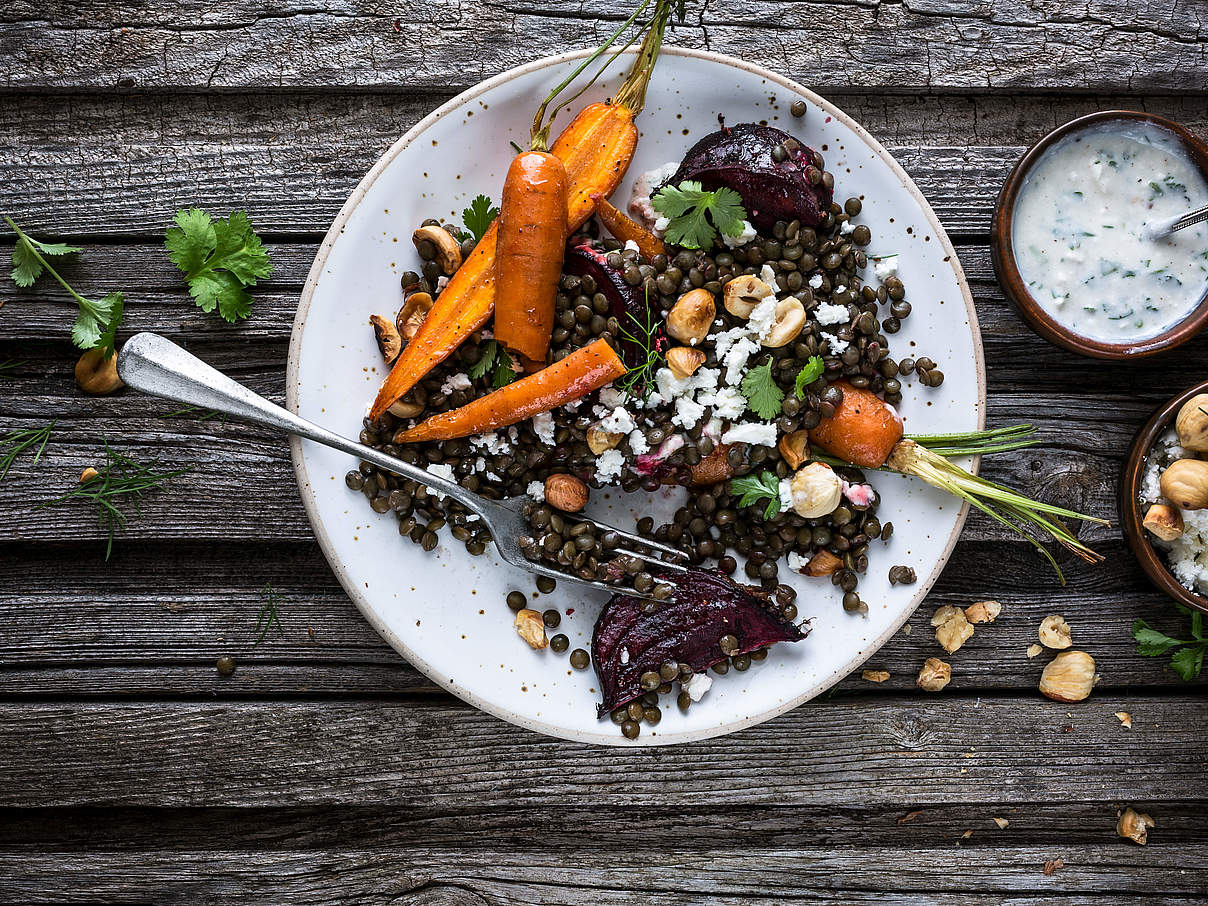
(811, 372)
(696, 215)
(96, 324)
(27, 266)
(479, 216)
(219, 258)
(1150, 642)
(1188, 662)
(763, 395)
(505, 371)
(755, 488)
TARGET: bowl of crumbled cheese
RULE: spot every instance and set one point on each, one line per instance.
(1164, 497)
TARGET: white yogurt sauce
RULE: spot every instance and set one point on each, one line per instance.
(1077, 227)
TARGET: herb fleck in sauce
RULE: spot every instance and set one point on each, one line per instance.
(1077, 232)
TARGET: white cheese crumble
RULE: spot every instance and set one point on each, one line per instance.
(847, 227)
(837, 346)
(644, 186)
(796, 562)
(638, 443)
(618, 421)
(687, 412)
(492, 443)
(442, 470)
(816, 281)
(763, 318)
(631, 246)
(760, 433)
(611, 397)
(536, 490)
(785, 489)
(736, 359)
(885, 267)
(609, 465)
(829, 313)
(660, 225)
(543, 425)
(727, 402)
(745, 235)
(697, 685)
(455, 382)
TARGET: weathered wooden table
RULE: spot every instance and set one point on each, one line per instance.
(328, 770)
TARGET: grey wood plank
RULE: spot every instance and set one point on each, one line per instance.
(152, 624)
(1011, 875)
(1106, 44)
(959, 749)
(293, 159)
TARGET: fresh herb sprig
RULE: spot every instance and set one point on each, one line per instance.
(206, 414)
(807, 375)
(496, 360)
(270, 614)
(8, 366)
(639, 381)
(15, 443)
(696, 215)
(119, 482)
(220, 260)
(1188, 657)
(97, 321)
(754, 488)
(477, 219)
(763, 394)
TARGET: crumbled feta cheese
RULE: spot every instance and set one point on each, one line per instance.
(618, 421)
(885, 267)
(638, 443)
(660, 225)
(442, 470)
(761, 433)
(631, 246)
(763, 318)
(785, 489)
(543, 425)
(816, 281)
(492, 443)
(726, 402)
(736, 359)
(609, 465)
(455, 382)
(746, 235)
(670, 387)
(796, 562)
(513, 433)
(697, 685)
(644, 186)
(768, 276)
(573, 405)
(846, 227)
(687, 412)
(837, 346)
(829, 313)
(727, 338)
(612, 397)
(480, 464)
(536, 490)
(841, 288)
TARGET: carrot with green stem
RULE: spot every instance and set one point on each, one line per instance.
(867, 432)
(595, 149)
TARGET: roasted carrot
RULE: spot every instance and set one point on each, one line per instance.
(863, 431)
(595, 148)
(626, 229)
(581, 372)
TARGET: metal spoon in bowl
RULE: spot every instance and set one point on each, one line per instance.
(1160, 229)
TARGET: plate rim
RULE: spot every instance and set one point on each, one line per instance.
(353, 590)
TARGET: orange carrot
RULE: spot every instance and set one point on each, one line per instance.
(529, 252)
(626, 229)
(595, 148)
(863, 431)
(581, 372)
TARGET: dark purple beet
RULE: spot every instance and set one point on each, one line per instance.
(624, 300)
(707, 606)
(740, 157)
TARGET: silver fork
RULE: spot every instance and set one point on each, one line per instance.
(157, 366)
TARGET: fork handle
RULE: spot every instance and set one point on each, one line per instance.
(157, 366)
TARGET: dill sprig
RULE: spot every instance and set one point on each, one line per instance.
(120, 481)
(15, 443)
(9, 365)
(206, 414)
(640, 379)
(270, 616)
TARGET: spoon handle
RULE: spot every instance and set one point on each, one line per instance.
(1160, 229)
(157, 366)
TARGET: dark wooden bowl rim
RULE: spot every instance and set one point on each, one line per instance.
(1130, 510)
(1002, 253)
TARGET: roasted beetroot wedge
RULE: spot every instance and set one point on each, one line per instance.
(628, 642)
(745, 158)
(626, 303)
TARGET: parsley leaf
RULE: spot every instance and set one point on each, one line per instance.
(811, 372)
(505, 371)
(219, 258)
(1188, 660)
(763, 395)
(755, 488)
(478, 217)
(496, 360)
(696, 215)
(97, 321)
(490, 349)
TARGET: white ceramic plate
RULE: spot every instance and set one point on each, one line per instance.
(445, 611)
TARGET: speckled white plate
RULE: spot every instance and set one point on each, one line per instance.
(445, 611)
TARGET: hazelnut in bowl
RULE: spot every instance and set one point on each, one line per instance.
(1164, 497)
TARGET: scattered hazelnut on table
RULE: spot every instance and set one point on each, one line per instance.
(1125, 719)
(1069, 677)
(1055, 632)
(1034, 649)
(531, 627)
(1134, 825)
(934, 676)
(88, 474)
(96, 374)
(565, 492)
(953, 630)
(983, 611)
(875, 676)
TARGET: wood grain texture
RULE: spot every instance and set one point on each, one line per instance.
(1106, 44)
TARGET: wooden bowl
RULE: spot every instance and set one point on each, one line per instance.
(1130, 510)
(1003, 254)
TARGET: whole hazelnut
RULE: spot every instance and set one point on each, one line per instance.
(1185, 484)
(96, 374)
(691, 317)
(566, 492)
(794, 448)
(816, 490)
(935, 675)
(742, 294)
(684, 360)
(823, 563)
(1069, 677)
(1192, 423)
